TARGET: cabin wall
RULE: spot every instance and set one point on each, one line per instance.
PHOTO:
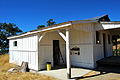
(46, 49)
(38, 53)
(80, 36)
(26, 50)
(83, 40)
(98, 48)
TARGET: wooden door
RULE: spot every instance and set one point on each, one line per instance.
(104, 44)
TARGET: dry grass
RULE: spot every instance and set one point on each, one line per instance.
(4, 75)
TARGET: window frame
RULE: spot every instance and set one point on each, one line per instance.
(15, 43)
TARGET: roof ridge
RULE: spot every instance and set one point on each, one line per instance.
(97, 17)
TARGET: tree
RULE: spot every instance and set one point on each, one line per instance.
(7, 30)
(50, 22)
(40, 26)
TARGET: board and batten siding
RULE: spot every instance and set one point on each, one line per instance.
(46, 48)
(84, 36)
(37, 53)
(26, 50)
(98, 48)
(83, 40)
(80, 36)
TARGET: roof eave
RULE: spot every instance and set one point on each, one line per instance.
(54, 27)
(39, 30)
(110, 22)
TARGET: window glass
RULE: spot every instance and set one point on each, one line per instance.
(97, 37)
(109, 39)
(15, 43)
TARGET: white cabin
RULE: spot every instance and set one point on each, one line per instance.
(78, 43)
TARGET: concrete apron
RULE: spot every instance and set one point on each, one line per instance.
(62, 73)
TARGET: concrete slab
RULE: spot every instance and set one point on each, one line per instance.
(62, 73)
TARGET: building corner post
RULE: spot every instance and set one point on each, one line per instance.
(37, 60)
(116, 46)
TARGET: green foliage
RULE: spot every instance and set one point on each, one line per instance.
(114, 37)
(7, 30)
(50, 22)
(40, 26)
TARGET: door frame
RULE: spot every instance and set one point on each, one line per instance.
(104, 45)
(54, 52)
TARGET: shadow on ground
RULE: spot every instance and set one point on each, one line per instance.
(106, 65)
(102, 70)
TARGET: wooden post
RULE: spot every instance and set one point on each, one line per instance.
(116, 46)
(62, 35)
(68, 55)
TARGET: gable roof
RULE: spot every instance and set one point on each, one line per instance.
(62, 25)
(100, 18)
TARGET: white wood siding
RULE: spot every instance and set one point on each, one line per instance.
(26, 50)
(46, 48)
(98, 48)
(84, 27)
(80, 35)
(38, 53)
(83, 40)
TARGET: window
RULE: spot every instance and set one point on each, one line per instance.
(109, 39)
(15, 43)
(97, 37)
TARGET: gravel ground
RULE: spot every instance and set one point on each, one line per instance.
(108, 73)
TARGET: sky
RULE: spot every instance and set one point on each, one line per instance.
(28, 14)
